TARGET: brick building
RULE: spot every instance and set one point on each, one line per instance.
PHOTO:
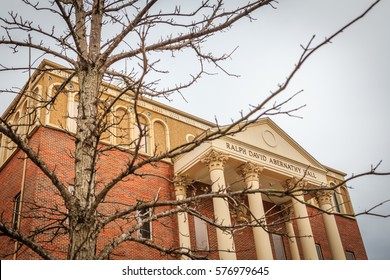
(262, 157)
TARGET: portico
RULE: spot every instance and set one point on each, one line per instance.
(260, 158)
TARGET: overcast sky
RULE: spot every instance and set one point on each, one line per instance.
(346, 91)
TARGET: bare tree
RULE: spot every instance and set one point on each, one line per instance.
(97, 37)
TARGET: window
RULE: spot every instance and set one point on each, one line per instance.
(350, 255)
(122, 125)
(319, 252)
(145, 230)
(160, 137)
(24, 120)
(73, 111)
(142, 131)
(336, 203)
(280, 254)
(144, 140)
(201, 234)
(16, 217)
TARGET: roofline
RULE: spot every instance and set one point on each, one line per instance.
(46, 62)
(290, 139)
(335, 171)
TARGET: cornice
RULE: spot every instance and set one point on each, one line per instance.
(144, 102)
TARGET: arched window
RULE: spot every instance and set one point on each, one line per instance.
(160, 137)
(24, 120)
(16, 123)
(58, 112)
(72, 112)
(10, 146)
(122, 127)
(4, 147)
(33, 109)
(105, 116)
(36, 96)
(141, 134)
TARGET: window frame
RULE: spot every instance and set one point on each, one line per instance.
(320, 255)
(279, 249)
(201, 234)
(73, 108)
(16, 212)
(349, 255)
(336, 203)
(144, 142)
(145, 228)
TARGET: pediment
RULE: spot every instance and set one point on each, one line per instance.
(267, 136)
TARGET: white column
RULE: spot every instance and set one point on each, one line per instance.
(180, 184)
(215, 162)
(324, 199)
(251, 173)
(292, 241)
(305, 234)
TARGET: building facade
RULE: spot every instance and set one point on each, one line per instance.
(263, 168)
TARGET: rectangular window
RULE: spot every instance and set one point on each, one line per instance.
(350, 255)
(145, 230)
(201, 234)
(319, 252)
(280, 253)
(16, 217)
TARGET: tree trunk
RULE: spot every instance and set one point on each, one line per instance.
(83, 219)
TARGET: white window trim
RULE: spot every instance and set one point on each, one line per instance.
(140, 224)
(279, 238)
(200, 224)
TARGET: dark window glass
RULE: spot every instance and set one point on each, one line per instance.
(350, 255)
(145, 230)
(279, 247)
(16, 218)
(319, 252)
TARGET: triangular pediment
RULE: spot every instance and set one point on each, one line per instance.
(267, 136)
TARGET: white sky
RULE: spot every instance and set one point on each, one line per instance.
(346, 90)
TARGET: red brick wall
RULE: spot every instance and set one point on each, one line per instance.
(349, 232)
(351, 237)
(10, 180)
(41, 197)
(56, 148)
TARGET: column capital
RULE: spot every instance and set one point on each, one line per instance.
(294, 183)
(324, 197)
(180, 183)
(250, 171)
(215, 160)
